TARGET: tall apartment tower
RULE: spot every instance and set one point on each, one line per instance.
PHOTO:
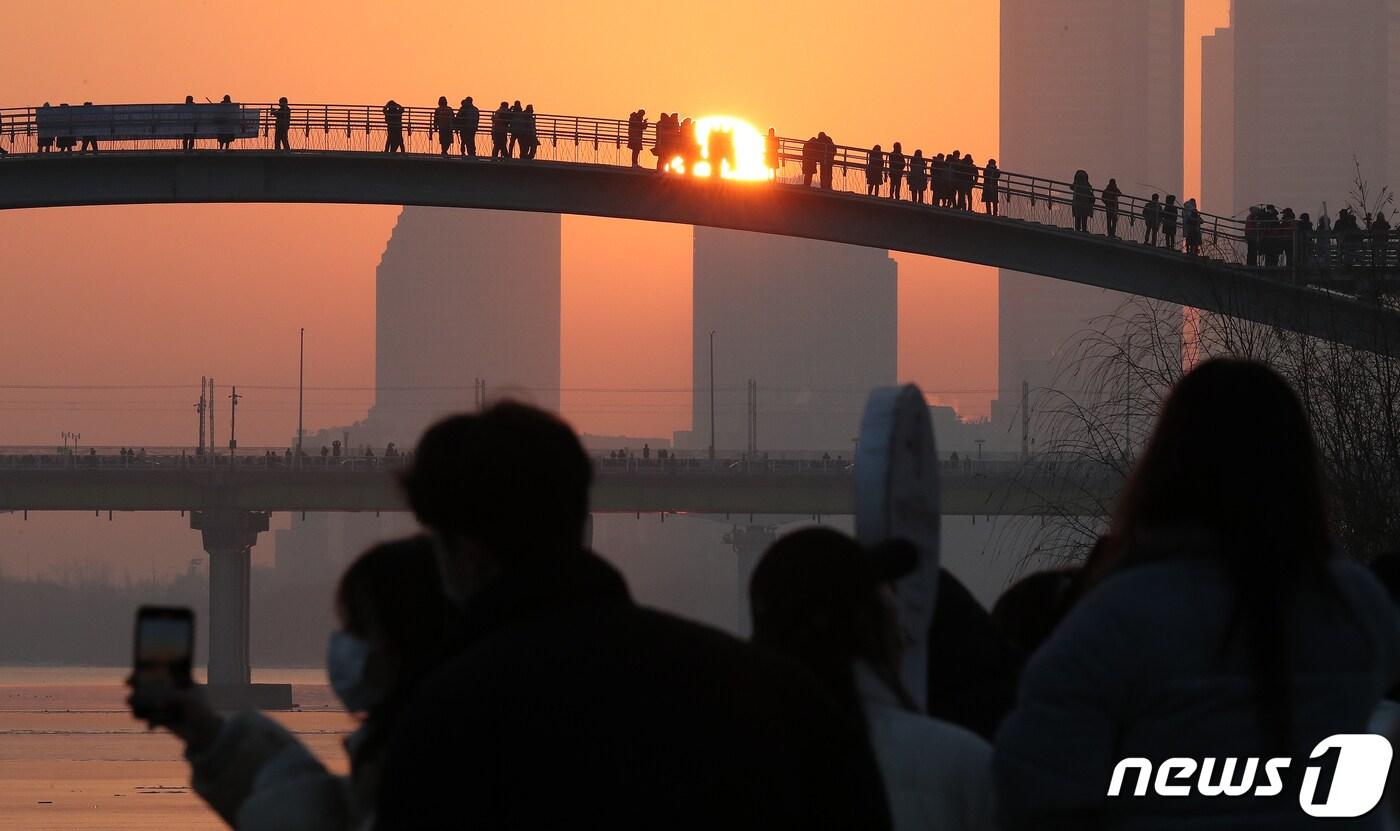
(813, 324)
(1092, 84)
(1296, 97)
(463, 295)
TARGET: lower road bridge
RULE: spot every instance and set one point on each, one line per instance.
(230, 501)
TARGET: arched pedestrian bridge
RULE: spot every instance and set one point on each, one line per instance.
(584, 168)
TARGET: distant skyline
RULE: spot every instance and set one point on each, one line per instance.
(118, 296)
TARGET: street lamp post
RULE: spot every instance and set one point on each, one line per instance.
(712, 394)
(233, 420)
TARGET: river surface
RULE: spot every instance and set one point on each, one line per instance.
(72, 757)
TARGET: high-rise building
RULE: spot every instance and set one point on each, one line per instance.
(1091, 84)
(461, 296)
(1311, 95)
(814, 326)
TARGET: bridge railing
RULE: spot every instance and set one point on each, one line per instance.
(593, 140)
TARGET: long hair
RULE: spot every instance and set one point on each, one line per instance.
(1233, 459)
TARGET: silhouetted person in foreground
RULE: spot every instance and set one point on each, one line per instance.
(570, 705)
(991, 188)
(874, 170)
(1151, 220)
(443, 118)
(972, 668)
(821, 599)
(1222, 622)
(1109, 196)
(468, 122)
(636, 129)
(895, 161)
(395, 625)
(500, 132)
(281, 125)
(393, 127)
(1169, 215)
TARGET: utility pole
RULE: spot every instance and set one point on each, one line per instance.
(301, 390)
(712, 393)
(753, 417)
(199, 408)
(233, 420)
(211, 415)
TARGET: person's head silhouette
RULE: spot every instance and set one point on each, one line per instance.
(503, 489)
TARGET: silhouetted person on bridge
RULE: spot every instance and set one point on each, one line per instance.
(952, 173)
(190, 112)
(874, 170)
(1110, 207)
(689, 146)
(393, 127)
(715, 150)
(443, 118)
(1380, 240)
(771, 162)
(1169, 214)
(1251, 235)
(937, 173)
(1191, 227)
(227, 121)
(827, 159)
(811, 150)
(529, 136)
(45, 141)
(281, 125)
(895, 162)
(66, 142)
(515, 127)
(622, 716)
(991, 188)
(1303, 238)
(967, 180)
(918, 177)
(663, 144)
(500, 132)
(1151, 220)
(1324, 238)
(1285, 233)
(89, 140)
(636, 129)
(468, 121)
(1082, 200)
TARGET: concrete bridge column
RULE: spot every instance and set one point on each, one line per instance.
(749, 542)
(229, 536)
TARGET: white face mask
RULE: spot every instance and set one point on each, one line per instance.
(356, 672)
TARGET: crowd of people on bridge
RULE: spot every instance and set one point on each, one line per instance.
(503, 674)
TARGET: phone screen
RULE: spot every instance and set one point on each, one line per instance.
(164, 645)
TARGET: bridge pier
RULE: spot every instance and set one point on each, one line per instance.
(749, 543)
(229, 536)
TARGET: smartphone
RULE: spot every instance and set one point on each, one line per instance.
(164, 645)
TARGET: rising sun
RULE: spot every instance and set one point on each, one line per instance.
(748, 148)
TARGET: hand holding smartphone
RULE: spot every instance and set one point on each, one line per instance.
(163, 692)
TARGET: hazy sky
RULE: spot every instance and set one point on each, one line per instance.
(143, 298)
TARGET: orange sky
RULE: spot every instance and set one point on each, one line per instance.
(160, 295)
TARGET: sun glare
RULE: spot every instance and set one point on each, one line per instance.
(748, 148)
